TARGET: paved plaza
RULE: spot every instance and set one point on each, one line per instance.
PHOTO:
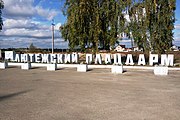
(66, 94)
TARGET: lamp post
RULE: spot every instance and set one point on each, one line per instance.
(52, 25)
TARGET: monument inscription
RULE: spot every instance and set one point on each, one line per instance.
(165, 59)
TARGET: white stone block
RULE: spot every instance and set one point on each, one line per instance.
(118, 69)
(160, 70)
(52, 67)
(26, 66)
(3, 65)
(82, 68)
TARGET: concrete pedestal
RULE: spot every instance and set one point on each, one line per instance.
(160, 70)
(118, 69)
(3, 65)
(52, 67)
(82, 68)
(26, 66)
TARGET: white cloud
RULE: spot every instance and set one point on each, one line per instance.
(25, 9)
(28, 33)
(18, 23)
(177, 27)
(23, 25)
(18, 8)
(17, 42)
(47, 13)
(24, 28)
(28, 28)
(21, 33)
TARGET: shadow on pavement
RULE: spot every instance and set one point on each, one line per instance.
(8, 96)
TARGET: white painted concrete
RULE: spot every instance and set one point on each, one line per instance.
(91, 66)
(26, 66)
(118, 69)
(160, 70)
(52, 67)
(82, 68)
(14, 64)
(3, 65)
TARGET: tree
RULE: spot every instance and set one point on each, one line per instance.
(32, 48)
(138, 25)
(1, 7)
(161, 16)
(97, 23)
(152, 22)
(93, 23)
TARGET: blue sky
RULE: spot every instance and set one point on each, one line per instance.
(29, 21)
(177, 24)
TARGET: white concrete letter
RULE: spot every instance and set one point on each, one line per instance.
(141, 60)
(129, 60)
(60, 58)
(74, 57)
(89, 58)
(24, 57)
(117, 59)
(153, 59)
(31, 56)
(9, 55)
(167, 60)
(45, 58)
(67, 58)
(37, 57)
(108, 58)
(98, 59)
(17, 58)
(53, 58)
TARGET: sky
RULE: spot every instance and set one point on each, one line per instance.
(29, 21)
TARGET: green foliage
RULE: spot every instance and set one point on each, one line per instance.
(1, 7)
(93, 23)
(152, 29)
(96, 23)
(32, 48)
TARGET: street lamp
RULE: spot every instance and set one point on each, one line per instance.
(52, 25)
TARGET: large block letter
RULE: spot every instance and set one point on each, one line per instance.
(153, 59)
(67, 58)
(167, 60)
(141, 60)
(89, 58)
(129, 60)
(24, 57)
(9, 55)
(108, 58)
(60, 58)
(53, 58)
(17, 58)
(45, 58)
(74, 57)
(32, 58)
(117, 59)
(98, 59)
(37, 57)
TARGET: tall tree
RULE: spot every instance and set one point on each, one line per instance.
(152, 22)
(1, 7)
(138, 24)
(161, 16)
(93, 23)
(97, 23)
(76, 29)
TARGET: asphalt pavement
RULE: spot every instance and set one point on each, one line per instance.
(66, 94)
